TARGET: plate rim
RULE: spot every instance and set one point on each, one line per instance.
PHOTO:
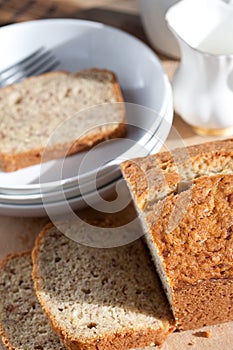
(93, 24)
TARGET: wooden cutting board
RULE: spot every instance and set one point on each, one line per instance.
(18, 234)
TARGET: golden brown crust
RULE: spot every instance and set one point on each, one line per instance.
(206, 303)
(129, 338)
(179, 154)
(192, 233)
(11, 256)
(196, 150)
(3, 262)
(13, 162)
(163, 172)
(124, 340)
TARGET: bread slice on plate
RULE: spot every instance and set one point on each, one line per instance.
(100, 298)
(61, 112)
(189, 232)
(23, 324)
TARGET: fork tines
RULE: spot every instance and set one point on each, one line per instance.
(38, 62)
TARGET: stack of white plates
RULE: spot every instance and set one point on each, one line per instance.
(80, 179)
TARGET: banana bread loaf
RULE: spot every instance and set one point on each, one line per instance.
(190, 233)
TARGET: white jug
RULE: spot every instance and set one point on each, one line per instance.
(203, 82)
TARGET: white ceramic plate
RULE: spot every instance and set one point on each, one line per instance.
(55, 202)
(74, 190)
(36, 207)
(57, 208)
(82, 44)
(83, 168)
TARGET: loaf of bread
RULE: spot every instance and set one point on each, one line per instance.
(61, 112)
(23, 324)
(100, 298)
(189, 232)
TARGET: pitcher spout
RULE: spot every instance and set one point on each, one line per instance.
(205, 25)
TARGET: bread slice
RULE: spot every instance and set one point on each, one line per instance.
(190, 233)
(52, 111)
(99, 298)
(23, 324)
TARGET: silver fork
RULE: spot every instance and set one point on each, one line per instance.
(38, 62)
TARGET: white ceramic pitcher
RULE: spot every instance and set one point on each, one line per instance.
(203, 82)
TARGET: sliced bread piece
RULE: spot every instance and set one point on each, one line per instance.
(190, 233)
(32, 110)
(23, 324)
(100, 298)
(154, 177)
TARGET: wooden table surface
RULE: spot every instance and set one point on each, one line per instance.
(18, 234)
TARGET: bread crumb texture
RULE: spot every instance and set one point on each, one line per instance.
(23, 324)
(57, 110)
(100, 298)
